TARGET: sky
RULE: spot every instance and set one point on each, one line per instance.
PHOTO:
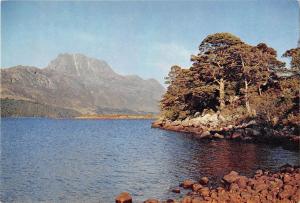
(144, 38)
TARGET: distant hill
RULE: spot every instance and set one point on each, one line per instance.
(76, 84)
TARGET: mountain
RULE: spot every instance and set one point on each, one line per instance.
(80, 84)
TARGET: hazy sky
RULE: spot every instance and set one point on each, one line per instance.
(138, 37)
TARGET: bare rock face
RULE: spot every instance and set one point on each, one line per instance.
(87, 85)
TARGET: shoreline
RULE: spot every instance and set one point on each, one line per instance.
(282, 185)
(117, 117)
(94, 117)
(256, 131)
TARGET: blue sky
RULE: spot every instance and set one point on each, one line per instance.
(138, 37)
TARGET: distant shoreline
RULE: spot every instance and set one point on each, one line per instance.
(116, 117)
(94, 117)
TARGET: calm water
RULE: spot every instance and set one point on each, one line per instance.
(92, 161)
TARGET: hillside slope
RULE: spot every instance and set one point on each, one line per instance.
(83, 84)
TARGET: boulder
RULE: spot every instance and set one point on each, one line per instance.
(252, 132)
(197, 200)
(286, 178)
(260, 186)
(236, 135)
(286, 168)
(205, 134)
(242, 182)
(204, 180)
(250, 123)
(187, 199)
(233, 187)
(231, 177)
(124, 197)
(196, 187)
(176, 123)
(151, 201)
(218, 136)
(222, 118)
(197, 114)
(259, 172)
(204, 191)
(187, 184)
(287, 192)
(176, 190)
(186, 122)
(157, 124)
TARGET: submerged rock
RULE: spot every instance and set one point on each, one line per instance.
(176, 190)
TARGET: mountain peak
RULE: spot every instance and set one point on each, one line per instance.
(80, 65)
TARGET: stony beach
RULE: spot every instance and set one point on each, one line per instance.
(282, 185)
(213, 127)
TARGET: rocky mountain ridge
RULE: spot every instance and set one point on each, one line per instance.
(83, 84)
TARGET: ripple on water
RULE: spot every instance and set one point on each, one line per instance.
(94, 160)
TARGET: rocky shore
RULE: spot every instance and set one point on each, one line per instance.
(214, 126)
(265, 186)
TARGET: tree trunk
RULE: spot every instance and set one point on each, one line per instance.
(259, 90)
(247, 98)
(222, 94)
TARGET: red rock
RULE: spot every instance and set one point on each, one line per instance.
(204, 180)
(204, 191)
(176, 190)
(242, 182)
(187, 184)
(287, 192)
(234, 187)
(151, 201)
(197, 200)
(236, 135)
(196, 187)
(296, 196)
(260, 186)
(186, 199)
(259, 172)
(157, 124)
(231, 177)
(245, 195)
(218, 136)
(286, 178)
(279, 182)
(124, 197)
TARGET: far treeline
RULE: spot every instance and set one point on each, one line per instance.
(231, 77)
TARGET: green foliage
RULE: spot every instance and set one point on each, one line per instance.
(228, 74)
